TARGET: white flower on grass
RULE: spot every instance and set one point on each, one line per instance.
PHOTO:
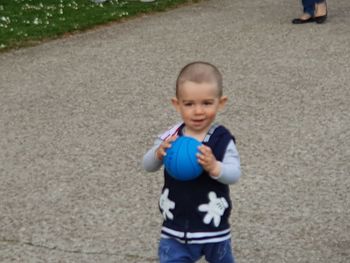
(73, 5)
(166, 204)
(99, 1)
(51, 7)
(124, 13)
(5, 19)
(37, 21)
(60, 11)
(215, 209)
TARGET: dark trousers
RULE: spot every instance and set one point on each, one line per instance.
(309, 6)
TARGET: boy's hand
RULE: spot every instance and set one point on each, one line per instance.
(207, 159)
(161, 151)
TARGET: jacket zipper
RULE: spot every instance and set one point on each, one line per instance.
(186, 230)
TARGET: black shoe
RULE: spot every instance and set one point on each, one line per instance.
(320, 19)
(303, 21)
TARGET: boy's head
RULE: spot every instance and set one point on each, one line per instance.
(199, 96)
(199, 72)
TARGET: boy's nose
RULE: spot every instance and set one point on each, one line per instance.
(198, 109)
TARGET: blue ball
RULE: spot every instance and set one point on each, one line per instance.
(180, 160)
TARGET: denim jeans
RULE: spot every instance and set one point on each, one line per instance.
(172, 251)
(309, 6)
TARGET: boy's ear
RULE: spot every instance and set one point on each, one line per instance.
(175, 103)
(222, 102)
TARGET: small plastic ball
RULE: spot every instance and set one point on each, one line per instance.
(180, 160)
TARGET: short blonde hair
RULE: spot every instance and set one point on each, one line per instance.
(199, 72)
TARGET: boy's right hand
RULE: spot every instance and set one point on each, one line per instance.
(161, 151)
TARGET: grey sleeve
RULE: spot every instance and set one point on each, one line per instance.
(230, 166)
(150, 163)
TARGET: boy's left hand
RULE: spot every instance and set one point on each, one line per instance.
(207, 159)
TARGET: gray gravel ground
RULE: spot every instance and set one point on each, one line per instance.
(77, 115)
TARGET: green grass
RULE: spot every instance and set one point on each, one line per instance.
(27, 22)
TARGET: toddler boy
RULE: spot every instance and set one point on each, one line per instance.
(196, 212)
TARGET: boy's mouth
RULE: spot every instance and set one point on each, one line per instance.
(198, 121)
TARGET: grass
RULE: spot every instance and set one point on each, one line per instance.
(27, 22)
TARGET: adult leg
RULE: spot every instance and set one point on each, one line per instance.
(308, 12)
(321, 11)
(309, 6)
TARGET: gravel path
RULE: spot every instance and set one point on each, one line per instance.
(77, 114)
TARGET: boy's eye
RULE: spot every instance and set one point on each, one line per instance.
(208, 103)
(188, 104)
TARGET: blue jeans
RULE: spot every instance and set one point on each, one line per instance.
(172, 251)
(309, 6)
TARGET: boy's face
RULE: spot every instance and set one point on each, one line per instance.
(198, 104)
